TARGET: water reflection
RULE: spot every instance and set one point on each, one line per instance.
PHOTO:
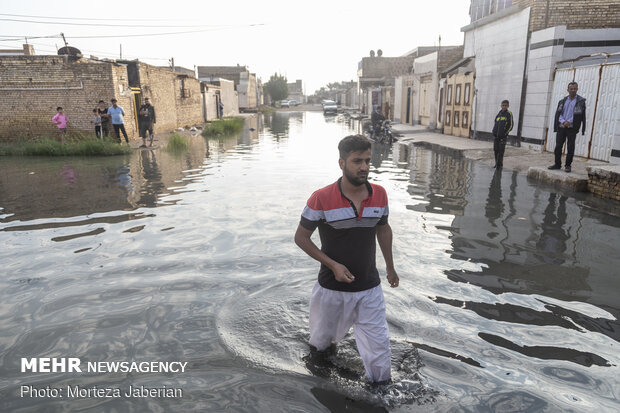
(441, 179)
(279, 123)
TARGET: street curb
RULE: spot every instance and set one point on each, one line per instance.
(558, 178)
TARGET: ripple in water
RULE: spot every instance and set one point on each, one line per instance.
(269, 329)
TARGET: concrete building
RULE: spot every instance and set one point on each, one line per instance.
(220, 90)
(296, 91)
(246, 84)
(417, 95)
(376, 79)
(518, 46)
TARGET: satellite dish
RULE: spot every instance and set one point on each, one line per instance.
(372, 53)
(69, 50)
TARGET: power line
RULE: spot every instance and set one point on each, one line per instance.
(94, 18)
(136, 35)
(103, 24)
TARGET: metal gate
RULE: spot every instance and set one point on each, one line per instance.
(600, 85)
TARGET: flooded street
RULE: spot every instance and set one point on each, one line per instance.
(508, 297)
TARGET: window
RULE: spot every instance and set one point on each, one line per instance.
(467, 94)
(456, 119)
(465, 123)
(449, 98)
(447, 118)
(457, 95)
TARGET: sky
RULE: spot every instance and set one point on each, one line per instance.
(316, 41)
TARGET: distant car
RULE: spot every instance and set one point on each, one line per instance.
(329, 106)
(293, 103)
(284, 104)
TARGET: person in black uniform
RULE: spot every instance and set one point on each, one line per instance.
(503, 125)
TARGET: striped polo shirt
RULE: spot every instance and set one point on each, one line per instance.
(347, 236)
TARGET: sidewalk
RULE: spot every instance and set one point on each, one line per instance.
(532, 163)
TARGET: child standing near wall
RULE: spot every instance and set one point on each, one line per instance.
(97, 121)
(60, 119)
(503, 125)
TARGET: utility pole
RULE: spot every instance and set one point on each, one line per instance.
(172, 63)
(121, 51)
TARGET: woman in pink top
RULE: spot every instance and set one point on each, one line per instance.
(60, 119)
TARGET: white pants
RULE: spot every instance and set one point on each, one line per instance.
(332, 313)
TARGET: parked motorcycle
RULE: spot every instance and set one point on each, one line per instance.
(381, 133)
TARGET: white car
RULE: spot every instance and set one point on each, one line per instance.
(284, 104)
(329, 106)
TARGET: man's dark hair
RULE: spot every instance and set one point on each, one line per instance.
(573, 83)
(505, 101)
(59, 107)
(101, 101)
(352, 143)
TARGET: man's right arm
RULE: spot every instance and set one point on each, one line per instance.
(303, 241)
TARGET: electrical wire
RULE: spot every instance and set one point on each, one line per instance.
(97, 19)
(105, 24)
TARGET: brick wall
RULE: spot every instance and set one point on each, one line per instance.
(448, 56)
(604, 182)
(159, 85)
(575, 14)
(31, 87)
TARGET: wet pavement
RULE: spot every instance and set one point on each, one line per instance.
(522, 159)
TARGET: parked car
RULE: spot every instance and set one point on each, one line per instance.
(293, 103)
(284, 104)
(329, 106)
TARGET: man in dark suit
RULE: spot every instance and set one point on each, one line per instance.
(569, 116)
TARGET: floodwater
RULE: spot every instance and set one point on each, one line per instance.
(508, 300)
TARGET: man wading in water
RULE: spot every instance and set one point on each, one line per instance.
(350, 214)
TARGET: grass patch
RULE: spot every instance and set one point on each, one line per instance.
(177, 143)
(226, 126)
(85, 146)
(267, 110)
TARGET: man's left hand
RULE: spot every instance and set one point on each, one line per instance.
(392, 278)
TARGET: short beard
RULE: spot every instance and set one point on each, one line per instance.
(354, 180)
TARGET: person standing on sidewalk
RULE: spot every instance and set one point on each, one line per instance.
(118, 123)
(146, 120)
(350, 214)
(569, 116)
(503, 125)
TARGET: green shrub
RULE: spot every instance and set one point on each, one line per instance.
(86, 146)
(177, 143)
(226, 126)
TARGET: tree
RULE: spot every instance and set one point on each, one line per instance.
(276, 87)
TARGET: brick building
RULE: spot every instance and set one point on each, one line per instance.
(31, 87)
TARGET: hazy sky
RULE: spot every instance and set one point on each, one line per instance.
(317, 41)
